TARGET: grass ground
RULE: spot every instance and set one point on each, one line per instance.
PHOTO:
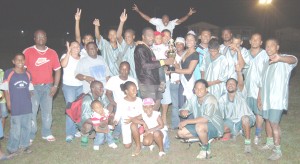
(222, 152)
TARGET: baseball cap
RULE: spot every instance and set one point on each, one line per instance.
(156, 33)
(180, 40)
(148, 101)
(191, 32)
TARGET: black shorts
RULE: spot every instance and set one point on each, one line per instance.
(150, 91)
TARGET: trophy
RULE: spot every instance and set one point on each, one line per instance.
(171, 53)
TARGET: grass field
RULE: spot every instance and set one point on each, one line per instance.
(222, 152)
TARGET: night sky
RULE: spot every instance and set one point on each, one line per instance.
(57, 16)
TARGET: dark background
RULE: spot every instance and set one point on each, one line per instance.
(56, 17)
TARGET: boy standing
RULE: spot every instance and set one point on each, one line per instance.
(17, 86)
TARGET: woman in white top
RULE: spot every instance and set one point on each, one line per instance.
(187, 66)
(127, 109)
(72, 87)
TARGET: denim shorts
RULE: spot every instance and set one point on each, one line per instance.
(4, 111)
(212, 130)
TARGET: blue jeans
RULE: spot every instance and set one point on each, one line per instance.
(117, 131)
(102, 137)
(174, 89)
(70, 94)
(19, 134)
(41, 97)
(181, 98)
(1, 128)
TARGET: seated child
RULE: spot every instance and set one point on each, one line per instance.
(100, 120)
(153, 125)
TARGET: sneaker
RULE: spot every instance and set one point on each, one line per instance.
(30, 142)
(49, 138)
(267, 147)
(275, 156)
(96, 147)
(77, 134)
(151, 147)
(84, 141)
(247, 148)
(113, 145)
(161, 154)
(203, 154)
(256, 140)
(69, 139)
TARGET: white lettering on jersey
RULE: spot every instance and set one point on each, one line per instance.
(41, 61)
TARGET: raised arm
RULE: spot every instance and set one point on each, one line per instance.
(77, 28)
(240, 79)
(123, 18)
(184, 18)
(64, 61)
(240, 58)
(96, 23)
(135, 8)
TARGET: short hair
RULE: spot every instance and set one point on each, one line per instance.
(226, 28)
(273, 39)
(94, 83)
(91, 43)
(166, 30)
(125, 63)
(130, 31)
(256, 33)
(201, 81)
(87, 34)
(238, 36)
(205, 29)
(126, 85)
(96, 102)
(112, 29)
(146, 29)
(213, 44)
(39, 30)
(19, 54)
(236, 82)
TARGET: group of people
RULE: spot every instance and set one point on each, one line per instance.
(217, 91)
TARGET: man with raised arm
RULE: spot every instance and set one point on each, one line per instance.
(127, 44)
(109, 49)
(86, 37)
(164, 22)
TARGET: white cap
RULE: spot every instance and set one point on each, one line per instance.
(191, 32)
(180, 40)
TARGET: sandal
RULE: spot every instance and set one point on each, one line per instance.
(136, 154)
(49, 138)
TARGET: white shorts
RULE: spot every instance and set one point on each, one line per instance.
(126, 133)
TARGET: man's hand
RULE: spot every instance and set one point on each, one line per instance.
(184, 113)
(123, 16)
(259, 104)
(68, 48)
(234, 48)
(78, 14)
(274, 58)
(191, 12)
(182, 124)
(96, 22)
(169, 61)
(135, 8)
(53, 90)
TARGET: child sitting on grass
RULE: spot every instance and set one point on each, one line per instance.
(153, 125)
(17, 85)
(100, 120)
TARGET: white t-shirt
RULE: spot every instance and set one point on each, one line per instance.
(69, 72)
(127, 109)
(159, 51)
(160, 25)
(96, 68)
(113, 84)
(151, 122)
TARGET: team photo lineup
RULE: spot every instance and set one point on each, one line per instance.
(121, 91)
